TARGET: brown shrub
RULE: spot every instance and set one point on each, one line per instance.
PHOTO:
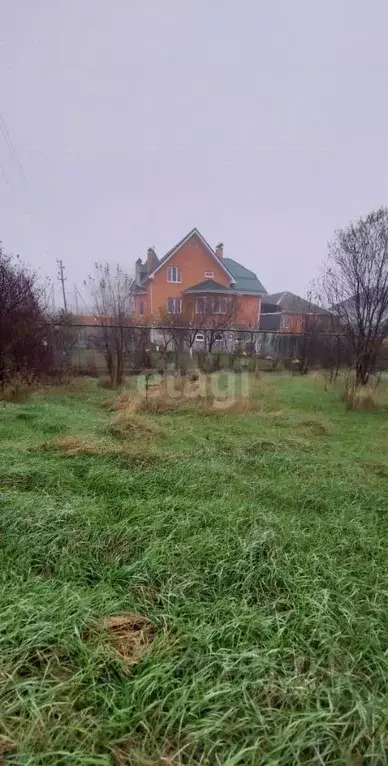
(15, 392)
(359, 398)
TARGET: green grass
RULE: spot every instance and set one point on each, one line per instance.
(256, 546)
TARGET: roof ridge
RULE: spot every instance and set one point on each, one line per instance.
(181, 242)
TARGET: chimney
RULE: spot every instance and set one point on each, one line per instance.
(220, 250)
(152, 260)
(138, 266)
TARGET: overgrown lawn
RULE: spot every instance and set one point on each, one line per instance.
(244, 557)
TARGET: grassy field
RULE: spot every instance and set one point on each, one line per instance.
(244, 557)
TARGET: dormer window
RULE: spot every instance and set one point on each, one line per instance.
(174, 275)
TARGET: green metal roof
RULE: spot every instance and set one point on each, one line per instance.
(210, 286)
(246, 280)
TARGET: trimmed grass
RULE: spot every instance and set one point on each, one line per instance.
(253, 547)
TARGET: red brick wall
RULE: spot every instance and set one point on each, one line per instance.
(193, 260)
(138, 299)
(248, 310)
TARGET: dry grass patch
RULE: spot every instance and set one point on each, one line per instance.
(130, 635)
(203, 404)
(5, 749)
(378, 469)
(77, 445)
(362, 398)
(130, 754)
(139, 455)
(128, 423)
(200, 393)
(315, 427)
(16, 392)
(163, 401)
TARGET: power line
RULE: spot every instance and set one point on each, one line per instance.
(4, 175)
(10, 145)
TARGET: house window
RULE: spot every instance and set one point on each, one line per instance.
(284, 322)
(174, 305)
(199, 338)
(141, 308)
(209, 274)
(220, 305)
(174, 275)
(200, 305)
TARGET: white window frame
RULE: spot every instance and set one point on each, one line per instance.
(200, 337)
(209, 274)
(174, 275)
(223, 304)
(284, 322)
(177, 305)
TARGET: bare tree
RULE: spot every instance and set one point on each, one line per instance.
(24, 347)
(355, 285)
(65, 337)
(219, 317)
(173, 331)
(112, 303)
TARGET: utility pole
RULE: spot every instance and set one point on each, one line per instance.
(76, 299)
(62, 279)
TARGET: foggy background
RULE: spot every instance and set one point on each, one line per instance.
(124, 123)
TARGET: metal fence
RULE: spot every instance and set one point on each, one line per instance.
(85, 348)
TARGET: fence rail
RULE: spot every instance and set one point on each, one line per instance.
(87, 348)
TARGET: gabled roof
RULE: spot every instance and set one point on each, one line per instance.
(193, 232)
(210, 286)
(246, 280)
(293, 304)
(270, 308)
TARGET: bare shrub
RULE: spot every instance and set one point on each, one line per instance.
(24, 347)
(359, 397)
(112, 303)
(16, 391)
(355, 287)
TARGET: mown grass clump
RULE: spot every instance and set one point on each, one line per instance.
(218, 596)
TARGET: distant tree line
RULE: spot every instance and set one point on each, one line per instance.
(353, 289)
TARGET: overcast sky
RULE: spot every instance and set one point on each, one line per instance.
(264, 124)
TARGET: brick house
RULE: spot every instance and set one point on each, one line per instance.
(288, 313)
(194, 281)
